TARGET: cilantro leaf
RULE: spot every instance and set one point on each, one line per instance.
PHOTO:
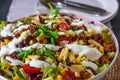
(52, 40)
(24, 53)
(38, 32)
(52, 10)
(2, 24)
(27, 20)
(53, 35)
(40, 51)
(48, 52)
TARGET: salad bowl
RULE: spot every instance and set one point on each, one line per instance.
(56, 46)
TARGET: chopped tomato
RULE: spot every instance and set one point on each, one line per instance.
(84, 27)
(68, 75)
(31, 70)
(64, 38)
(63, 26)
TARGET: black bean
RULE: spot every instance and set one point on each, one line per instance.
(38, 76)
(21, 44)
(9, 37)
(2, 72)
(26, 42)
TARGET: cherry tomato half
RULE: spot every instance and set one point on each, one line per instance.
(64, 38)
(68, 75)
(63, 26)
(31, 70)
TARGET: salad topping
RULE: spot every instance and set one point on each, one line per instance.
(54, 47)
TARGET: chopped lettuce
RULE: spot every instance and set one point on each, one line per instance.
(3, 65)
(106, 34)
(102, 68)
(111, 55)
(50, 71)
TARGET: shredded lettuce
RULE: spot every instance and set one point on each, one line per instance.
(111, 55)
(3, 65)
(106, 34)
(50, 71)
(104, 67)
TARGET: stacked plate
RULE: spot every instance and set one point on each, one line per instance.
(110, 6)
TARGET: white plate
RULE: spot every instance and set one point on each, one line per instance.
(111, 6)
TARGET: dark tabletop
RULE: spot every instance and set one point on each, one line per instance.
(5, 4)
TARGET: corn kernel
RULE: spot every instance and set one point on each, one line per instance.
(72, 57)
(49, 60)
(7, 66)
(59, 68)
(35, 21)
(40, 37)
(77, 74)
(33, 57)
(63, 55)
(64, 69)
(25, 35)
(59, 77)
(31, 42)
(27, 59)
(83, 58)
(6, 41)
(77, 60)
(91, 31)
(92, 76)
(78, 67)
(2, 44)
(89, 34)
(15, 69)
(16, 78)
(101, 49)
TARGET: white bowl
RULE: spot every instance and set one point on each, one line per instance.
(102, 74)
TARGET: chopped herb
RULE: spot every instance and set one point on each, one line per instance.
(2, 24)
(48, 52)
(52, 10)
(27, 20)
(53, 35)
(40, 51)
(24, 53)
(38, 32)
